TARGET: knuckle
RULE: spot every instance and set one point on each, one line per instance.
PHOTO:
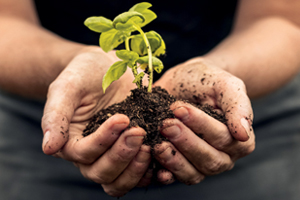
(250, 149)
(113, 192)
(98, 178)
(84, 159)
(121, 156)
(222, 143)
(231, 166)
(195, 180)
(216, 166)
(246, 150)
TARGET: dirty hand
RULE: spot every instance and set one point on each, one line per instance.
(200, 145)
(116, 161)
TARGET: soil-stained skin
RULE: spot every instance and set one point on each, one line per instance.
(195, 86)
(195, 82)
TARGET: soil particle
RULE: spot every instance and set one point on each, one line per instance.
(202, 81)
(173, 152)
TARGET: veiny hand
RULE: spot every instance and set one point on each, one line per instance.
(199, 144)
(116, 161)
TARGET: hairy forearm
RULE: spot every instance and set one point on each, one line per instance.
(265, 55)
(31, 57)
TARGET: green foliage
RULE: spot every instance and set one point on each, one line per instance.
(114, 73)
(157, 44)
(142, 8)
(142, 49)
(157, 64)
(98, 24)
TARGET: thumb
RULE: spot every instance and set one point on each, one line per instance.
(238, 111)
(58, 112)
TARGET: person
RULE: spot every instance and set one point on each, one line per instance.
(39, 63)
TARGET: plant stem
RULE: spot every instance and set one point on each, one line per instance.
(149, 55)
(127, 44)
(135, 73)
(134, 68)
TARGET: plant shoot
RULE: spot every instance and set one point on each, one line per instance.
(141, 49)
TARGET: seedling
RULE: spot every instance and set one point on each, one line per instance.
(141, 50)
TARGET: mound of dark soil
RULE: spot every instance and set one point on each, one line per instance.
(146, 110)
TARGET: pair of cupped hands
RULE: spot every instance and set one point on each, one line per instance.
(115, 156)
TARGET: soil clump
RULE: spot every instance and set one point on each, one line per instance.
(146, 110)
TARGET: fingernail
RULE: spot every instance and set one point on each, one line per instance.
(134, 141)
(167, 154)
(46, 139)
(118, 128)
(171, 132)
(181, 113)
(246, 126)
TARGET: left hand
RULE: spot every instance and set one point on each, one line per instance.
(187, 156)
(116, 161)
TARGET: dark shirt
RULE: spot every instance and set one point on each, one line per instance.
(190, 28)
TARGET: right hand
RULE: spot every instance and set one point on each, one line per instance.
(116, 161)
(219, 147)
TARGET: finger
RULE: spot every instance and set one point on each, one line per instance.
(233, 100)
(113, 162)
(211, 130)
(131, 175)
(239, 149)
(175, 162)
(87, 149)
(203, 156)
(146, 179)
(57, 115)
(165, 177)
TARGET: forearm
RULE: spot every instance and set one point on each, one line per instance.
(264, 53)
(31, 57)
(264, 56)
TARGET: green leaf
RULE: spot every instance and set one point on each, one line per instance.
(157, 44)
(107, 40)
(142, 8)
(113, 73)
(129, 56)
(98, 24)
(139, 77)
(126, 20)
(157, 63)
(138, 45)
(112, 38)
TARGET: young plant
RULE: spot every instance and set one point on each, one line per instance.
(141, 50)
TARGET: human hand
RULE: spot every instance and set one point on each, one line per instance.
(187, 156)
(116, 161)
